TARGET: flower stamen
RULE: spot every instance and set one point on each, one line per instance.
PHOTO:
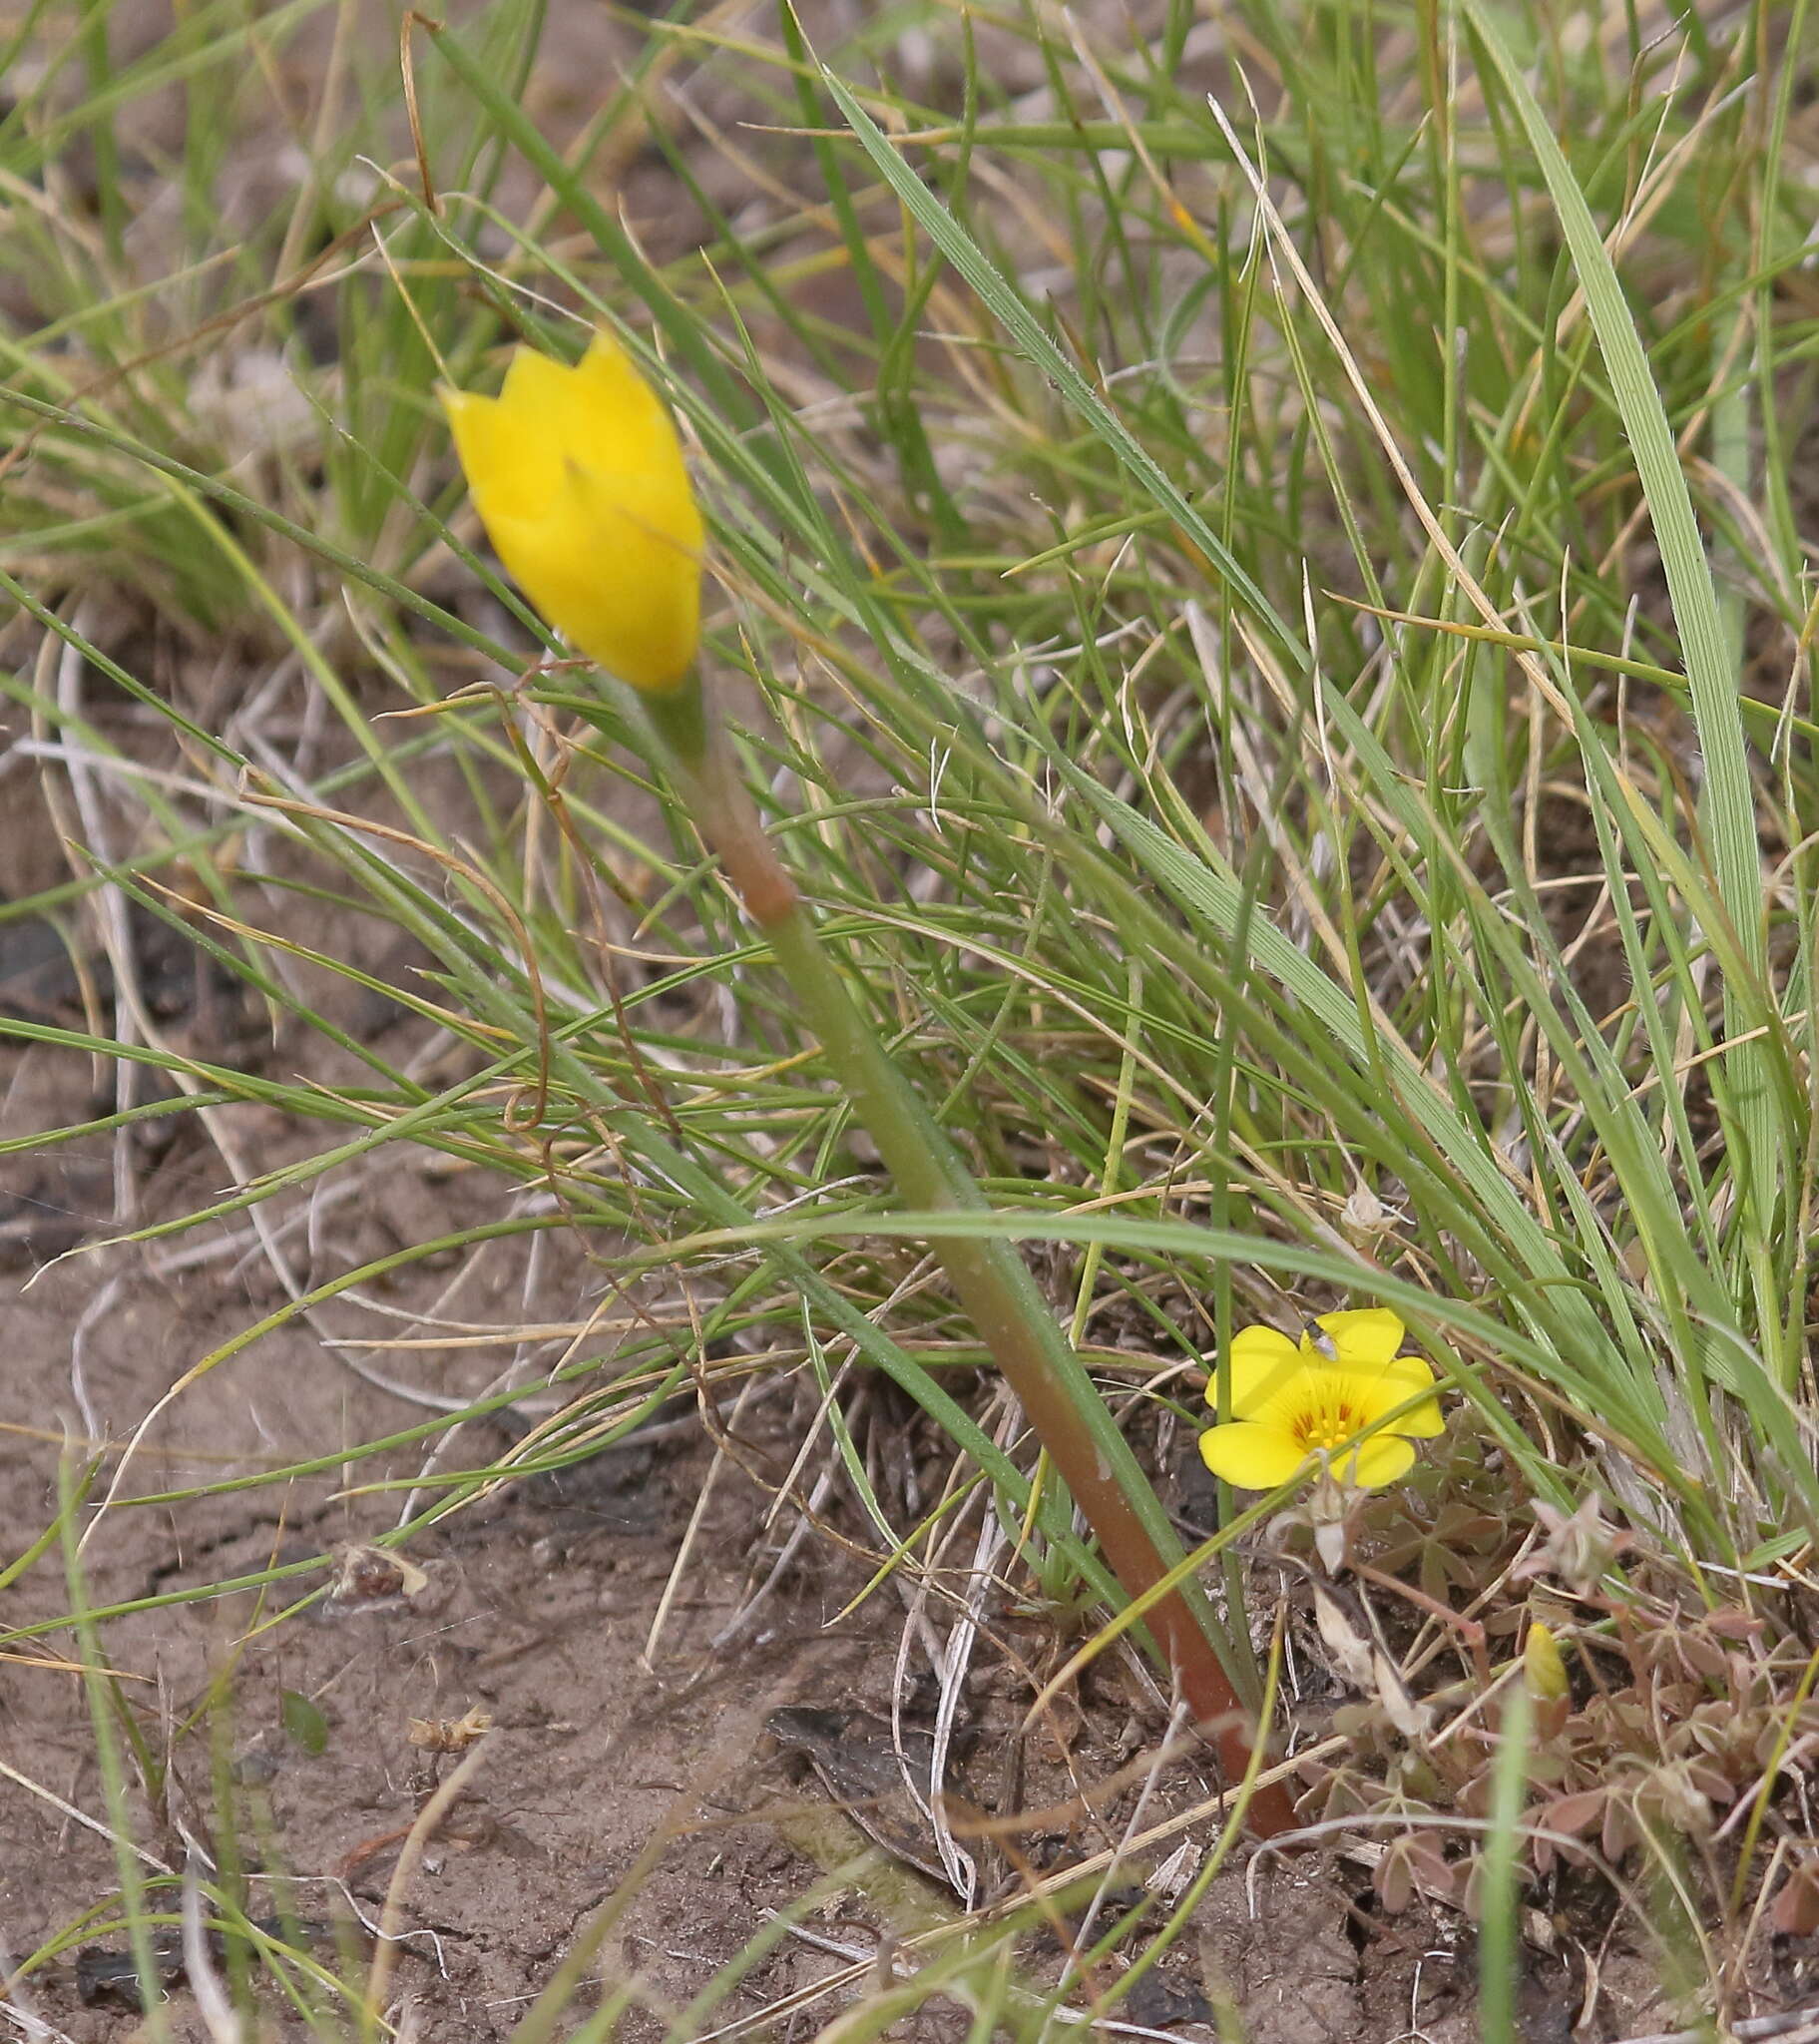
(1328, 1428)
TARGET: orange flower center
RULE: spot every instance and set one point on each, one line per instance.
(1330, 1423)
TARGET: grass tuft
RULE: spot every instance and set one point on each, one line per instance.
(1262, 567)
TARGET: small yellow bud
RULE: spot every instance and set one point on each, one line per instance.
(578, 479)
(1543, 1672)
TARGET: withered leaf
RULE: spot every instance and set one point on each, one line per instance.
(1796, 1907)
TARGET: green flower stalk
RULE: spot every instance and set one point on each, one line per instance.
(577, 476)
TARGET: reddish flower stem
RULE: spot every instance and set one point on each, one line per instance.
(988, 1275)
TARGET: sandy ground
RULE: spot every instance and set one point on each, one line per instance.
(536, 1610)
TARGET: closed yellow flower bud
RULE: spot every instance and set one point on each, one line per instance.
(578, 479)
(1543, 1669)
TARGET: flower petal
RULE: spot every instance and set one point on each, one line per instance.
(1366, 1335)
(1375, 1394)
(608, 373)
(536, 383)
(1405, 1376)
(509, 472)
(1263, 1363)
(579, 478)
(618, 434)
(1384, 1458)
(1252, 1456)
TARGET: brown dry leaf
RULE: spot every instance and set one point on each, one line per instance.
(1619, 1830)
(1705, 1656)
(1411, 1866)
(1360, 1658)
(449, 1735)
(1796, 1908)
(1735, 1625)
(366, 1578)
(1410, 1716)
(1566, 1817)
(1346, 1636)
(1435, 1874)
(1394, 1883)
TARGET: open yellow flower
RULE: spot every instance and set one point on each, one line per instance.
(578, 479)
(1291, 1405)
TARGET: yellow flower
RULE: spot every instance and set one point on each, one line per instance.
(578, 479)
(1543, 1669)
(1290, 1405)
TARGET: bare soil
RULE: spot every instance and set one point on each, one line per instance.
(537, 1609)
